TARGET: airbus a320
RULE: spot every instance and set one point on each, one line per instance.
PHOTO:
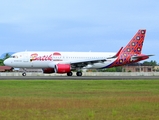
(66, 62)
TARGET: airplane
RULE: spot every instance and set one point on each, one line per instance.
(66, 62)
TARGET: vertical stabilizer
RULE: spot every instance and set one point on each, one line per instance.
(136, 43)
(132, 52)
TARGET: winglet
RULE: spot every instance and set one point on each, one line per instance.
(117, 54)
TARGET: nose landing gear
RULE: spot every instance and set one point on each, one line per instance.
(24, 74)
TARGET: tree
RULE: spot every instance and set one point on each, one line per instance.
(151, 63)
(119, 69)
(113, 69)
(5, 57)
(1, 62)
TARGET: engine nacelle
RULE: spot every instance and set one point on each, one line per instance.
(63, 68)
(48, 70)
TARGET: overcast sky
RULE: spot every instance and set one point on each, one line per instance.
(77, 25)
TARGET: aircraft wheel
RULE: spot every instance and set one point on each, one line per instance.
(23, 74)
(79, 73)
(69, 74)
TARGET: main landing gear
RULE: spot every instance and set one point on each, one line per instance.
(69, 74)
(78, 73)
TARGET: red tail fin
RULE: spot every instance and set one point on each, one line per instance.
(136, 43)
(132, 49)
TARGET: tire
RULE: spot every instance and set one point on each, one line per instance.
(69, 74)
(79, 73)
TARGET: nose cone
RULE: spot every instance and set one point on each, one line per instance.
(7, 62)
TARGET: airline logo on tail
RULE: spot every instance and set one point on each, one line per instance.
(136, 43)
(132, 52)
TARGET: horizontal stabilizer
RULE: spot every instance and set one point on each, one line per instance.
(140, 57)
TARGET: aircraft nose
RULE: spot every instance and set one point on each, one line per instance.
(7, 62)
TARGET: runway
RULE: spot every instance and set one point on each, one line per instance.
(79, 78)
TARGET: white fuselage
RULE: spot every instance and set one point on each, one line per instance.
(66, 62)
(49, 59)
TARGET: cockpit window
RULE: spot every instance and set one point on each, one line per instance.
(14, 56)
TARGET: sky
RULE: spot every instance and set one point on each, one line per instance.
(77, 25)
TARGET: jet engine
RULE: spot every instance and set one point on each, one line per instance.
(62, 68)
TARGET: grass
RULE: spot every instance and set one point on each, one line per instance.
(79, 100)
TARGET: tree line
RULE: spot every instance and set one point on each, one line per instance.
(5, 57)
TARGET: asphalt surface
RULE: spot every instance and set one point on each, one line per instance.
(79, 78)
